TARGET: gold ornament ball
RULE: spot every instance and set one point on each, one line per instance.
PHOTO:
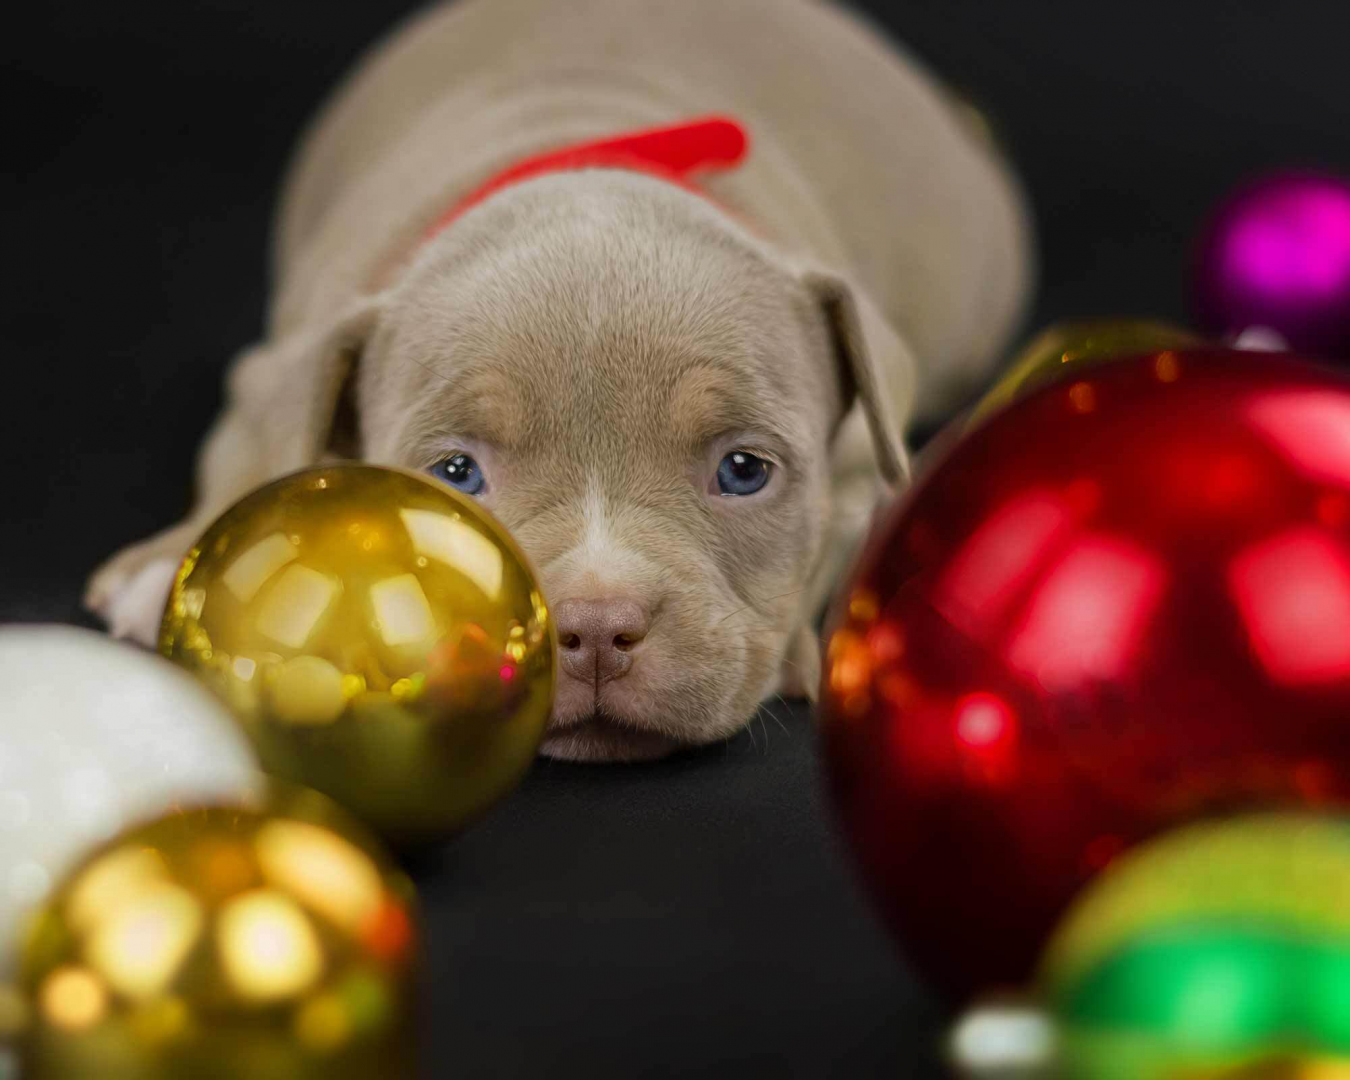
(381, 637)
(1065, 348)
(224, 942)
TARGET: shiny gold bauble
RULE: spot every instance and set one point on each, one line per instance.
(1065, 348)
(224, 942)
(380, 635)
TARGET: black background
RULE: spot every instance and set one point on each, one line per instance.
(602, 922)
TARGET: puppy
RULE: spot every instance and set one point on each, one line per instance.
(679, 376)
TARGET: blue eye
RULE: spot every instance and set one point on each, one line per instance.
(742, 473)
(461, 472)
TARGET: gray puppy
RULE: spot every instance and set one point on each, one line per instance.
(683, 403)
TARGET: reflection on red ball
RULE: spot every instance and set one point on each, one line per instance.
(1122, 603)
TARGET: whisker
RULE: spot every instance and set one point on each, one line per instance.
(431, 370)
(784, 595)
(724, 618)
(760, 601)
(756, 648)
(776, 719)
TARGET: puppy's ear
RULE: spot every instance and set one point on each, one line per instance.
(298, 392)
(875, 367)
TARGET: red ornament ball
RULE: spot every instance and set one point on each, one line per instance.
(1122, 603)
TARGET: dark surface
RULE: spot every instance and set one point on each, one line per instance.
(604, 922)
(686, 917)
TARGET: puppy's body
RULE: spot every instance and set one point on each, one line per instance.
(598, 338)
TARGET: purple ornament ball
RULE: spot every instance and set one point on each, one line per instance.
(1276, 254)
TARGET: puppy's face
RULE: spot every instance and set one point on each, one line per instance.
(645, 398)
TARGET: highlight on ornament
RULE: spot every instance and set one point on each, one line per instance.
(1119, 604)
(381, 638)
(220, 941)
(1066, 349)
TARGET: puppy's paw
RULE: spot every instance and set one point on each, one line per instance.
(136, 609)
(129, 591)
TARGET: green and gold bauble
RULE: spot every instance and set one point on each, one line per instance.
(1222, 949)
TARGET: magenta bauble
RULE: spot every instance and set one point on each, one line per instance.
(1276, 254)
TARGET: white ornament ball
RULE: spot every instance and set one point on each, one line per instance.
(95, 736)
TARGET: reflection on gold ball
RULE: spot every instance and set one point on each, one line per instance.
(224, 942)
(1065, 348)
(382, 638)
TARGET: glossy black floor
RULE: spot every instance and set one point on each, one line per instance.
(694, 916)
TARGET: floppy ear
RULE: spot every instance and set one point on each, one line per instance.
(875, 367)
(296, 393)
(877, 371)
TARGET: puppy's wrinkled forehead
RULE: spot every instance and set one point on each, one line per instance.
(606, 314)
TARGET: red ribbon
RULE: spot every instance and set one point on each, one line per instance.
(674, 154)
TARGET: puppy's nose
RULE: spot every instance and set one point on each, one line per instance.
(596, 638)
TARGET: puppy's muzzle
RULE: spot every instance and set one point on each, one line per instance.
(597, 638)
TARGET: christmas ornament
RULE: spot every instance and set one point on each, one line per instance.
(1276, 254)
(224, 942)
(1063, 350)
(1120, 603)
(1222, 943)
(1003, 1038)
(382, 638)
(94, 736)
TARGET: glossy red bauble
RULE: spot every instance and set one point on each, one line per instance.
(1121, 603)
